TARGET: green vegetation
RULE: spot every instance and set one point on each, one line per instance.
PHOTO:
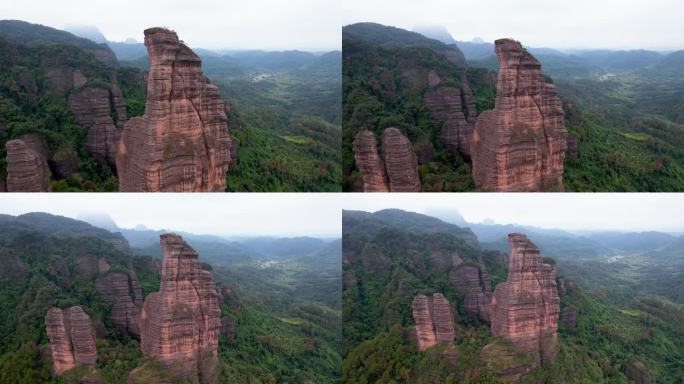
(285, 333)
(620, 323)
(383, 86)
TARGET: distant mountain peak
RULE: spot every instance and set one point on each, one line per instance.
(437, 32)
(89, 32)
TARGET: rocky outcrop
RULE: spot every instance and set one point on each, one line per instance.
(475, 285)
(637, 371)
(525, 308)
(520, 145)
(72, 338)
(180, 324)
(181, 144)
(447, 105)
(103, 111)
(395, 170)
(27, 167)
(434, 320)
(572, 152)
(122, 291)
(400, 162)
(369, 163)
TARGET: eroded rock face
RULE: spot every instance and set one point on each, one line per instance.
(525, 308)
(103, 111)
(474, 283)
(181, 144)
(447, 105)
(434, 320)
(520, 145)
(400, 162)
(568, 316)
(27, 168)
(72, 338)
(369, 163)
(122, 291)
(228, 325)
(180, 324)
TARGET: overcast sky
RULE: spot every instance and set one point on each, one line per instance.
(579, 211)
(623, 24)
(232, 24)
(256, 214)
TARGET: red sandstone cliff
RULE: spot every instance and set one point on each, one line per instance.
(520, 145)
(434, 320)
(525, 308)
(395, 170)
(181, 144)
(180, 324)
(27, 167)
(474, 283)
(122, 291)
(72, 338)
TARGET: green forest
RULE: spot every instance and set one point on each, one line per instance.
(623, 109)
(390, 260)
(284, 111)
(288, 317)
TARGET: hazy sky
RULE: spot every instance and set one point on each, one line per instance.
(235, 24)
(654, 24)
(282, 214)
(579, 211)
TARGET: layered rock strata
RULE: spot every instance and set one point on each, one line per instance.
(72, 338)
(27, 168)
(475, 285)
(520, 145)
(103, 111)
(395, 169)
(526, 307)
(434, 320)
(400, 162)
(180, 324)
(454, 108)
(369, 163)
(181, 144)
(122, 291)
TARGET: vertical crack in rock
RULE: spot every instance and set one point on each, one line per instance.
(520, 145)
(181, 144)
(181, 323)
(72, 338)
(526, 307)
(434, 320)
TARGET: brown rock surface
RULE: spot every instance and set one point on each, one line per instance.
(181, 323)
(474, 283)
(520, 145)
(93, 107)
(400, 162)
(568, 316)
(122, 291)
(525, 308)
(181, 144)
(369, 163)
(27, 168)
(72, 338)
(228, 326)
(447, 105)
(434, 320)
(637, 371)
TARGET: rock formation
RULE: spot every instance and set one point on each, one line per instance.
(568, 316)
(27, 167)
(525, 308)
(474, 283)
(400, 162)
(103, 111)
(520, 145)
(122, 291)
(72, 338)
(434, 320)
(181, 144)
(180, 324)
(454, 108)
(369, 163)
(394, 171)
